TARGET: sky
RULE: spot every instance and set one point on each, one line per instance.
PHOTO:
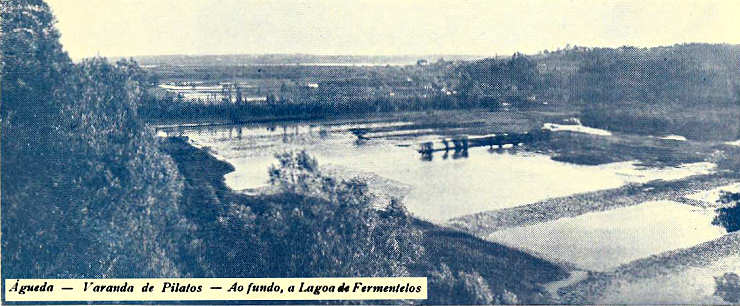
(381, 27)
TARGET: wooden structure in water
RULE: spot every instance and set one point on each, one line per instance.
(457, 144)
(411, 129)
(462, 143)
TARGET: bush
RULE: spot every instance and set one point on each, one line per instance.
(464, 288)
(728, 287)
(317, 226)
(729, 217)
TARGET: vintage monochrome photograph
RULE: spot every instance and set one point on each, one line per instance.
(510, 151)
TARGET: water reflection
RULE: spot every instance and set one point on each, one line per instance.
(456, 154)
(428, 155)
(452, 184)
(460, 154)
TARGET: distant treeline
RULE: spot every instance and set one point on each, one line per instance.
(690, 89)
(315, 107)
(687, 75)
(288, 59)
(336, 91)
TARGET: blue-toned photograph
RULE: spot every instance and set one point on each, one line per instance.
(511, 152)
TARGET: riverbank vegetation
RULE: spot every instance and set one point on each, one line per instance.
(729, 217)
(691, 89)
(90, 192)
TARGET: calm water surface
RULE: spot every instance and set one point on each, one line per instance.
(442, 188)
(601, 241)
(693, 285)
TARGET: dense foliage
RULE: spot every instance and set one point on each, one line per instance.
(85, 190)
(88, 191)
(492, 81)
(464, 288)
(334, 228)
(691, 90)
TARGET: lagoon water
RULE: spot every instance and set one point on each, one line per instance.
(601, 241)
(442, 188)
(693, 285)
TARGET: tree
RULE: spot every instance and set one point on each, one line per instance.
(492, 79)
(729, 217)
(33, 66)
(321, 226)
(86, 192)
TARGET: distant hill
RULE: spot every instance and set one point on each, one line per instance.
(293, 59)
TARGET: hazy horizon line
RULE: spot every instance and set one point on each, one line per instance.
(566, 47)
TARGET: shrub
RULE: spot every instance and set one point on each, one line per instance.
(322, 226)
(728, 287)
(729, 217)
(445, 287)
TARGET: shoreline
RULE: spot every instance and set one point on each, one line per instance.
(591, 289)
(486, 115)
(504, 268)
(446, 237)
(484, 223)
